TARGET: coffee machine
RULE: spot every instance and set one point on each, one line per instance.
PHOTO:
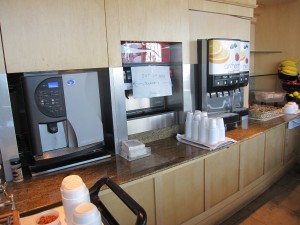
(222, 72)
(64, 119)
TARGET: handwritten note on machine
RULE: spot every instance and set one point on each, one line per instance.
(151, 81)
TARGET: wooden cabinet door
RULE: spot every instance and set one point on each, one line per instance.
(252, 153)
(153, 20)
(179, 193)
(147, 20)
(292, 137)
(141, 191)
(53, 34)
(221, 175)
(274, 148)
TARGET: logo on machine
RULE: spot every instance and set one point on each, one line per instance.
(71, 82)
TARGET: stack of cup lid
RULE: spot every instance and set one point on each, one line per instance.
(73, 193)
(86, 214)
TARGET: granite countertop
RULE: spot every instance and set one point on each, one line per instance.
(36, 193)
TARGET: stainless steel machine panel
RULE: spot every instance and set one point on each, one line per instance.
(83, 110)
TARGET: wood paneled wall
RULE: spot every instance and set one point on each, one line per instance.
(276, 29)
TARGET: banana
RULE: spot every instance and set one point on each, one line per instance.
(291, 68)
(291, 62)
(289, 72)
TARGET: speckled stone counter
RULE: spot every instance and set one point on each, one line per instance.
(37, 193)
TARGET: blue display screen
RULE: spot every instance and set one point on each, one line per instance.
(53, 84)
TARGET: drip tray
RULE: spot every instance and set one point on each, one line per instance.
(43, 166)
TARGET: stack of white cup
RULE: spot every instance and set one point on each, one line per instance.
(188, 125)
(200, 128)
(73, 193)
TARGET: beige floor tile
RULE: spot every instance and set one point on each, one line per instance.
(271, 214)
(289, 200)
(251, 221)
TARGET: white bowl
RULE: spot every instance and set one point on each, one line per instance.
(288, 110)
(48, 213)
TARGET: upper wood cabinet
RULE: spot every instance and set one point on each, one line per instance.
(148, 20)
(239, 8)
(221, 175)
(53, 34)
(2, 65)
(245, 3)
(274, 148)
(252, 154)
(179, 193)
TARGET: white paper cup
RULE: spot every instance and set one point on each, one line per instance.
(221, 128)
(203, 130)
(188, 125)
(86, 214)
(212, 123)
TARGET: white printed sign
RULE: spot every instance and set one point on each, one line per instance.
(151, 81)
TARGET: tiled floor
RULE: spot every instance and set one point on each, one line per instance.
(280, 205)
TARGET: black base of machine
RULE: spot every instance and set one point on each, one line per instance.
(44, 165)
(241, 112)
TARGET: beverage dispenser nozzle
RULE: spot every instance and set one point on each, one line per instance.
(52, 128)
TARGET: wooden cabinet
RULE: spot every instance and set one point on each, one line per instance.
(292, 140)
(252, 153)
(141, 191)
(239, 8)
(274, 148)
(53, 35)
(179, 193)
(245, 3)
(148, 20)
(221, 175)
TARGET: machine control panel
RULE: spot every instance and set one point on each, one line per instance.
(49, 97)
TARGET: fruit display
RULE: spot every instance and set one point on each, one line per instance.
(288, 69)
(293, 97)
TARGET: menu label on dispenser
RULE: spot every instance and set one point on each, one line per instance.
(244, 56)
(224, 56)
(151, 81)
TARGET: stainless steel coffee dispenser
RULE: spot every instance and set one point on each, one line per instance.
(64, 119)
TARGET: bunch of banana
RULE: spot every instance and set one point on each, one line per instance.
(289, 67)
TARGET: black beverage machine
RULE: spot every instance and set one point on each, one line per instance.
(64, 119)
(222, 72)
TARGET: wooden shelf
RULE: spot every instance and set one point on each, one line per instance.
(265, 51)
(262, 74)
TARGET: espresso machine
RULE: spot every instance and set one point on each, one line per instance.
(219, 80)
(64, 119)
